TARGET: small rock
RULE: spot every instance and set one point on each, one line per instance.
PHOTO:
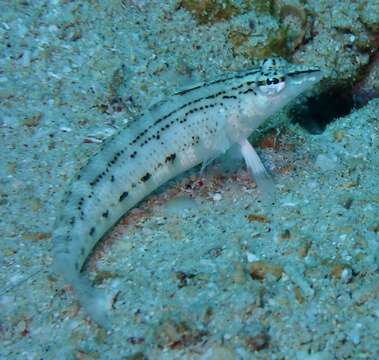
(369, 15)
(215, 252)
(65, 129)
(251, 257)
(86, 355)
(136, 356)
(256, 338)
(72, 310)
(239, 275)
(259, 270)
(219, 352)
(339, 135)
(285, 235)
(298, 295)
(304, 248)
(257, 218)
(37, 236)
(217, 197)
(326, 163)
(347, 202)
(176, 334)
(33, 120)
(341, 272)
(355, 334)
(102, 276)
(346, 275)
(257, 343)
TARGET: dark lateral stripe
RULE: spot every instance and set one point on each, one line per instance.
(308, 71)
(217, 81)
(185, 91)
(209, 97)
(176, 110)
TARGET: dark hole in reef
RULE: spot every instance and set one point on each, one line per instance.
(318, 111)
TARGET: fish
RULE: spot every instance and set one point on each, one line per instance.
(191, 127)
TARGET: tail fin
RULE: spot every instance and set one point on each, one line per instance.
(96, 302)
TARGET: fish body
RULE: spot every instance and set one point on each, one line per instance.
(190, 127)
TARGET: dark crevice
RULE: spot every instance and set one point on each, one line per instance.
(319, 111)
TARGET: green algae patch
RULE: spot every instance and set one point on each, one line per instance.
(260, 270)
(102, 276)
(262, 6)
(210, 11)
(174, 333)
(238, 38)
(36, 236)
(279, 32)
(277, 44)
(33, 120)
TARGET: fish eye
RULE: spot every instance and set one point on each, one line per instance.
(271, 86)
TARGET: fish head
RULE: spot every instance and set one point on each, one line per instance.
(280, 82)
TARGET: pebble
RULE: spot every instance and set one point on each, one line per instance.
(259, 270)
(219, 352)
(326, 163)
(217, 197)
(65, 129)
(251, 257)
(346, 275)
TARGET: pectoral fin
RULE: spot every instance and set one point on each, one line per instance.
(257, 170)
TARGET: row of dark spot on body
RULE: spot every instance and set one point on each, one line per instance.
(152, 133)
